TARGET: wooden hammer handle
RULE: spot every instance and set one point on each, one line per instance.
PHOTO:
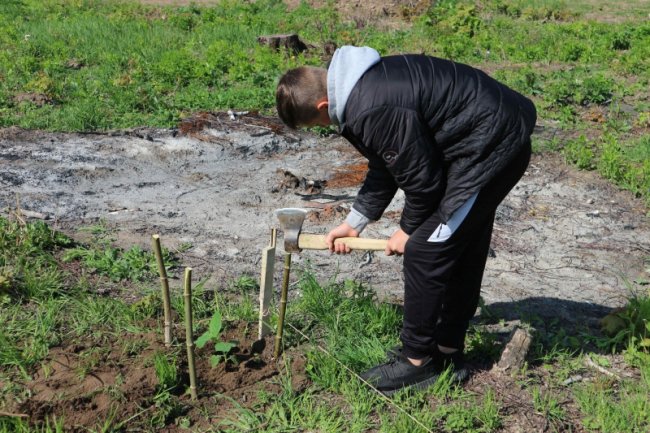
(317, 242)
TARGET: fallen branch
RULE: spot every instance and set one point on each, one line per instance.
(590, 363)
(14, 415)
(573, 379)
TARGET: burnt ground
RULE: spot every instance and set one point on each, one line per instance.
(565, 241)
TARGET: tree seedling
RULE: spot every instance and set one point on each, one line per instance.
(222, 348)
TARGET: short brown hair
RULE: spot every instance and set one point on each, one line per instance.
(298, 93)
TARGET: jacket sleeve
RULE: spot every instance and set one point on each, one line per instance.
(399, 146)
(377, 190)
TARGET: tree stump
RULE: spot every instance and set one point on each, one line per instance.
(514, 354)
(290, 42)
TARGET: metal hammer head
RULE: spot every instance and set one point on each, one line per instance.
(291, 220)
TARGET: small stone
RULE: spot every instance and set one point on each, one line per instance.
(590, 201)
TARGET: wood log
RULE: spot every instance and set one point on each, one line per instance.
(514, 354)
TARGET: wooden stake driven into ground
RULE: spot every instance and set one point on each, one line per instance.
(266, 285)
(155, 242)
(283, 304)
(189, 338)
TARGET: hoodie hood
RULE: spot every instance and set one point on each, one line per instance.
(348, 65)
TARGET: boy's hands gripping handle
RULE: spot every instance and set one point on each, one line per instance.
(319, 242)
(341, 239)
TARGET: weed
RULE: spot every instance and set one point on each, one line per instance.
(488, 413)
(102, 257)
(27, 263)
(546, 404)
(629, 325)
(622, 408)
(17, 425)
(445, 387)
(166, 372)
(133, 264)
(459, 415)
(222, 348)
(244, 284)
(481, 344)
(245, 308)
(579, 152)
(148, 306)
(202, 307)
(167, 409)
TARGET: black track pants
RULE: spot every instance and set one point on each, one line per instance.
(442, 280)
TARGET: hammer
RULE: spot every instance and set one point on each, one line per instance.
(291, 220)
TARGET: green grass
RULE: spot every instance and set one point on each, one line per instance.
(616, 407)
(117, 64)
(101, 257)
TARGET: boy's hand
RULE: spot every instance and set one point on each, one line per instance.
(342, 231)
(396, 243)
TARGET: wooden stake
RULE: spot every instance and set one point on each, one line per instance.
(155, 242)
(266, 285)
(283, 304)
(189, 339)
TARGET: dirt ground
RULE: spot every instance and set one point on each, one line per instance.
(566, 243)
(87, 381)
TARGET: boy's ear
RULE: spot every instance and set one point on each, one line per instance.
(323, 103)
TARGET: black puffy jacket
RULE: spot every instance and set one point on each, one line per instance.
(437, 129)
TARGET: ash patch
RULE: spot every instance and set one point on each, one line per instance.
(214, 183)
(9, 178)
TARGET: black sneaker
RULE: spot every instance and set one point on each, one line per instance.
(456, 360)
(399, 373)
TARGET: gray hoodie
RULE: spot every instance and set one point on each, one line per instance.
(347, 66)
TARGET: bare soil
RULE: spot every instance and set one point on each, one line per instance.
(89, 381)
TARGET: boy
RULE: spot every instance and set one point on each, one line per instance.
(456, 142)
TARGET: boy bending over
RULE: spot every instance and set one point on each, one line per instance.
(456, 142)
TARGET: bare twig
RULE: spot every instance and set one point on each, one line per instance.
(13, 415)
(590, 363)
